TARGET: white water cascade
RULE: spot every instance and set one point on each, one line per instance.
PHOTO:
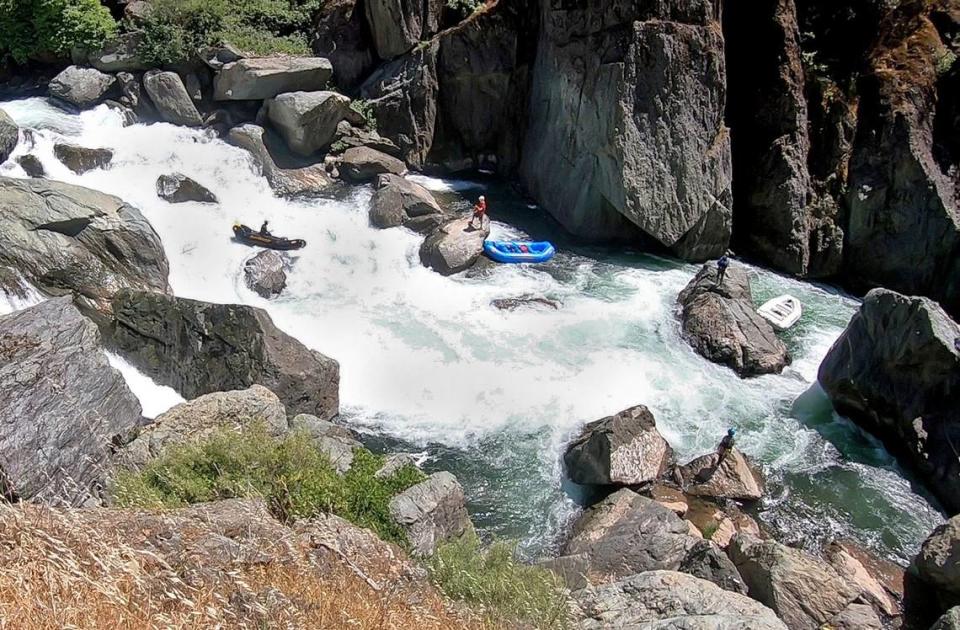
(427, 363)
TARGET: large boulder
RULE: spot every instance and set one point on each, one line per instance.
(852, 564)
(170, 97)
(263, 78)
(363, 164)
(804, 591)
(82, 87)
(733, 478)
(197, 419)
(178, 188)
(454, 247)
(216, 57)
(398, 26)
(307, 120)
(432, 512)
(65, 238)
(402, 96)
(626, 136)
(856, 617)
(31, 165)
(707, 561)
(349, 136)
(286, 182)
(621, 450)
(265, 274)
(134, 96)
(658, 600)
(721, 323)
(895, 371)
(336, 442)
(82, 159)
(198, 348)
(627, 533)
(64, 405)
(119, 54)
(397, 201)
(9, 136)
(938, 563)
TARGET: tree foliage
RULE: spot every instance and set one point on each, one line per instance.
(32, 29)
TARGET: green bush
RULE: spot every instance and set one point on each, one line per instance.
(176, 28)
(39, 28)
(366, 110)
(492, 578)
(291, 474)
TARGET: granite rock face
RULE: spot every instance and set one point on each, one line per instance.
(454, 247)
(64, 406)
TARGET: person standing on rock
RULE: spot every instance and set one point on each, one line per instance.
(479, 210)
(722, 265)
(726, 445)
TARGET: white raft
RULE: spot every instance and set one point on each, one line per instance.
(783, 312)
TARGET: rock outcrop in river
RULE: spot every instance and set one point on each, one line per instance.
(896, 372)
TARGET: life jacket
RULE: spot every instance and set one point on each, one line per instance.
(480, 208)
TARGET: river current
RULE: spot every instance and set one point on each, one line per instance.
(428, 365)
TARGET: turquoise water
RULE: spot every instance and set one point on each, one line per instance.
(429, 365)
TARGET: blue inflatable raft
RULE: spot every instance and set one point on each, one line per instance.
(517, 252)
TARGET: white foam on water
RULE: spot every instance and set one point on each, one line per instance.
(428, 359)
(154, 399)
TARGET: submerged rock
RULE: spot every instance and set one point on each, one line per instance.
(735, 478)
(398, 201)
(199, 348)
(454, 247)
(432, 512)
(82, 159)
(363, 164)
(170, 97)
(64, 405)
(895, 371)
(512, 304)
(804, 591)
(65, 238)
(82, 87)
(721, 323)
(621, 450)
(9, 136)
(263, 78)
(307, 120)
(32, 165)
(265, 274)
(178, 188)
(198, 419)
(667, 599)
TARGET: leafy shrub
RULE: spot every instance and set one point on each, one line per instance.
(366, 110)
(175, 28)
(492, 578)
(38, 28)
(291, 474)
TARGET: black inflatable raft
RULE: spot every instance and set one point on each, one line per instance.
(250, 237)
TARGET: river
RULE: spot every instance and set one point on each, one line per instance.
(429, 365)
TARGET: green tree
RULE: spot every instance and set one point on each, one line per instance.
(30, 29)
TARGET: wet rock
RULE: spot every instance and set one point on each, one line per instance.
(64, 405)
(307, 120)
(402, 95)
(667, 599)
(949, 621)
(82, 87)
(721, 324)
(804, 591)
(170, 97)
(938, 563)
(343, 37)
(626, 137)
(82, 159)
(363, 164)
(199, 348)
(119, 54)
(9, 136)
(263, 78)
(287, 182)
(432, 512)
(398, 201)
(178, 188)
(398, 26)
(707, 561)
(65, 238)
(454, 247)
(735, 478)
(621, 450)
(895, 371)
(530, 301)
(627, 534)
(193, 421)
(31, 165)
(265, 274)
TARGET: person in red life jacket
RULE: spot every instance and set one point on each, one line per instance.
(524, 249)
(479, 210)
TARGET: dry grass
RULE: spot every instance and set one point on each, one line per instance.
(62, 569)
